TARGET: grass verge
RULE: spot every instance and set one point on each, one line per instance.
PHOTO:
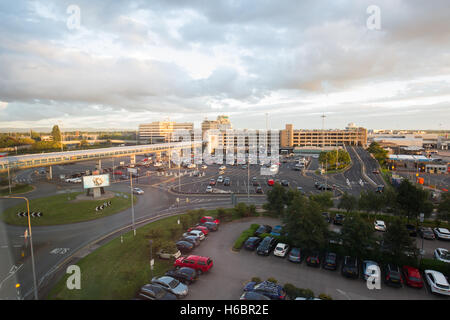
(18, 188)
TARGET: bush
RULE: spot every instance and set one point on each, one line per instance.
(273, 280)
(186, 221)
(293, 292)
(252, 211)
(244, 236)
(240, 210)
(256, 279)
(324, 296)
(431, 264)
(154, 234)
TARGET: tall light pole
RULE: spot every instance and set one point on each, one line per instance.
(323, 147)
(132, 204)
(36, 297)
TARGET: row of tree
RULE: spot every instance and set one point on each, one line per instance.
(378, 152)
(335, 159)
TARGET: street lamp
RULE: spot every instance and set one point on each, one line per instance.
(31, 243)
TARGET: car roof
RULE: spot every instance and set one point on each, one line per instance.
(194, 257)
(414, 272)
(443, 230)
(439, 277)
(165, 279)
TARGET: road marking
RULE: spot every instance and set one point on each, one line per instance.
(344, 294)
(60, 251)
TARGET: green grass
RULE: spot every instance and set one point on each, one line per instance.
(18, 188)
(59, 209)
(117, 270)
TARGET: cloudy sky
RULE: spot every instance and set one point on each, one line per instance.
(131, 62)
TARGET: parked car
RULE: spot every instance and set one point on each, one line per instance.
(196, 233)
(199, 263)
(437, 282)
(171, 285)
(252, 243)
(259, 189)
(212, 182)
(330, 261)
(220, 179)
(185, 275)
(313, 259)
(368, 269)
(285, 183)
(267, 288)
(276, 231)
(203, 229)
(227, 182)
(251, 295)
(295, 255)
(380, 225)
(411, 230)
(442, 233)
(426, 233)
(185, 246)
(209, 219)
(263, 229)
(210, 225)
(350, 267)
(192, 239)
(222, 168)
(204, 166)
(255, 182)
(154, 292)
(338, 219)
(281, 249)
(392, 275)
(209, 189)
(138, 191)
(442, 254)
(167, 254)
(412, 277)
(266, 246)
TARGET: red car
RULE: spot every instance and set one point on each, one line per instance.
(201, 228)
(270, 182)
(199, 263)
(209, 219)
(412, 277)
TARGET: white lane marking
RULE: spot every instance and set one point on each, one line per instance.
(344, 294)
(60, 251)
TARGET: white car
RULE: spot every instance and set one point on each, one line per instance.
(196, 233)
(281, 250)
(442, 254)
(437, 282)
(380, 225)
(442, 233)
(138, 191)
(209, 189)
(220, 179)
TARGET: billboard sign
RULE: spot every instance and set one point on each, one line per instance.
(96, 181)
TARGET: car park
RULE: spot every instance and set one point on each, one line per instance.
(368, 269)
(442, 233)
(263, 229)
(295, 255)
(426, 233)
(185, 275)
(184, 246)
(380, 225)
(251, 295)
(138, 191)
(338, 219)
(412, 277)
(154, 292)
(252, 243)
(392, 275)
(350, 267)
(442, 254)
(281, 249)
(171, 285)
(437, 282)
(313, 259)
(266, 246)
(330, 261)
(267, 288)
(199, 263)
(196, 233)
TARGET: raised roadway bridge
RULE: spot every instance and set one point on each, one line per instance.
(54, 158)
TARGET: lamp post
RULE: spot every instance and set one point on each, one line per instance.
(132, 204)
(31, 243)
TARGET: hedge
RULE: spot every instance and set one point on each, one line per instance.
(294, 292)
(244, 236)
(432, 264)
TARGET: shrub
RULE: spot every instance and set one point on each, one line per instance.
(244, 236)
(186, 221)
(324, 296)
(431, 264)
(293, 292)
(154, 234)
(252, 211)
(256, 279)
(273, 280)
(240, 210)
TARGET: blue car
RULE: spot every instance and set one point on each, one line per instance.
(267, 288)
(276, 231)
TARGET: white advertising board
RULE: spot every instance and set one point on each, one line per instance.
(96, 181)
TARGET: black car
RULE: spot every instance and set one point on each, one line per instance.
(263, 229)
(338, 219)
(226, 182)
(266, 246)
(317, 184)
(259, 189)
(185, 246)
(154, 292)
(412, 230)
(184, 274)
(326, 216)
(350, 267)
(330, 261)
(313, 260)
(252, 243)
(393, 276)
(210, 225)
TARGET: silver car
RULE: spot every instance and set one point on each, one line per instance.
(171, 285)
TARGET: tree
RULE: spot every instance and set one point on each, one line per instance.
(357, 235)
(397, 240)
(378, 152)
(56, 134)
(412, 200)
(305, 225)
(276, 199)
(348, 202)
(324, 200)
(370, 201)
(444, 207)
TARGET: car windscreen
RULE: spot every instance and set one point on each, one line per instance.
(174, 283)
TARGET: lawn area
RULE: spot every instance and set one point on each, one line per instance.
(60, 209)
(18, 188)
(117, 270)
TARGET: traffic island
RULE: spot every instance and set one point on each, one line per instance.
(67, 208)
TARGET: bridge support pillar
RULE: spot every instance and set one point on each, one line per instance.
(99, 165)
(133, 159)
(50, 173)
